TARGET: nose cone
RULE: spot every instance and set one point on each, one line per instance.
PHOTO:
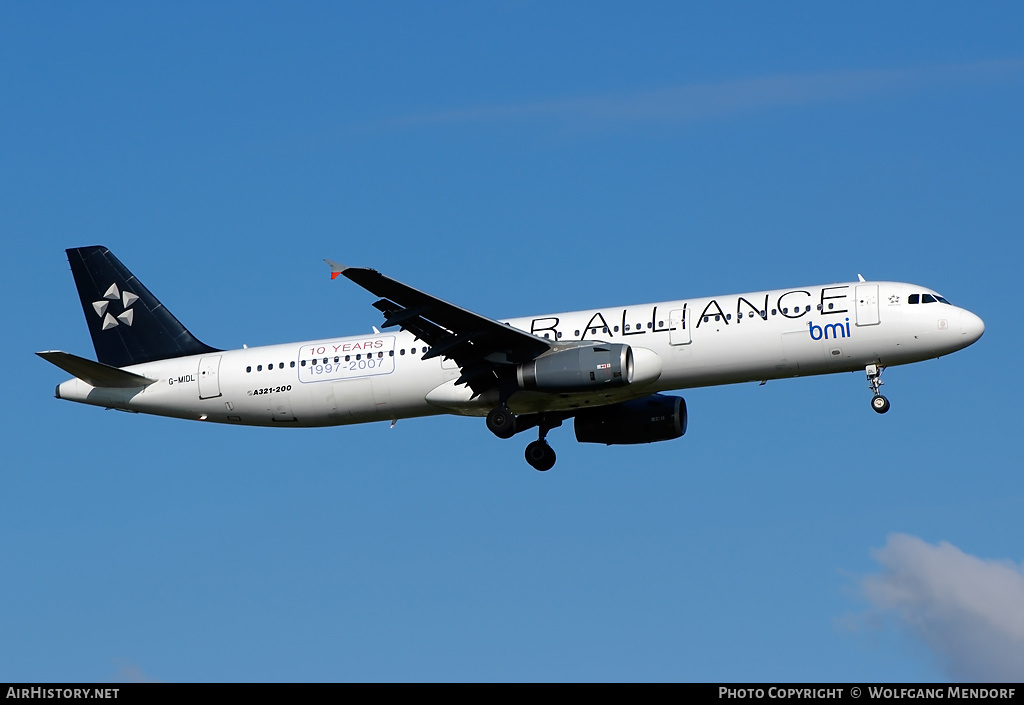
(971, 326)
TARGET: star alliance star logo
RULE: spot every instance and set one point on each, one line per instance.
(126, 316)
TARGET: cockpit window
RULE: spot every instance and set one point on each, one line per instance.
(926, 299)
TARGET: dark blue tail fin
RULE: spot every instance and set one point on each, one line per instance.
(127, 323)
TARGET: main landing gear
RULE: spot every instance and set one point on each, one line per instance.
(501, 422)
(504, 424)
(879, 403)
(540, 455)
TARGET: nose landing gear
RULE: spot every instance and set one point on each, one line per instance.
(879, 403)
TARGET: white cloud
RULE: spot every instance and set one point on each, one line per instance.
(968, 611)
(130, 673)
(703, 101)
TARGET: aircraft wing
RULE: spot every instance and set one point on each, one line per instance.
(480, 346)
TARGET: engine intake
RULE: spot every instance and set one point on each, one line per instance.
(655, 418)
(585, 368)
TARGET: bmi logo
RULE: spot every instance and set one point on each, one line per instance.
(126, 316)
(836, 329)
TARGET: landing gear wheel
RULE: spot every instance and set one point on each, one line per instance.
(879, 403)
(501, 422)
(540, 455)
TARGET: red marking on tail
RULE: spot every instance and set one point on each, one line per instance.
(334, 275)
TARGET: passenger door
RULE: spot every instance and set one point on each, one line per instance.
(209, 379)
(867, 305)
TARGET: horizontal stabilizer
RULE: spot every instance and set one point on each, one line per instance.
(95, 373)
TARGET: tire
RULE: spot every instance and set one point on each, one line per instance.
(501, 422)
(879, 403)
(540, 456)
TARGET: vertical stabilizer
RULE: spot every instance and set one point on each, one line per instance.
(127, 323)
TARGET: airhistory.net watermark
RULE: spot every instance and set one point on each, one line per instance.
(62, 693)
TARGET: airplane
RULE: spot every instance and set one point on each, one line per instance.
(607, 369)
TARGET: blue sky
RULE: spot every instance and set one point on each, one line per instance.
(514, 158)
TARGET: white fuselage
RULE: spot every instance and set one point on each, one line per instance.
(677, 345)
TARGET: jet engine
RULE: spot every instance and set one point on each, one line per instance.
(658, 417)
(580, 369)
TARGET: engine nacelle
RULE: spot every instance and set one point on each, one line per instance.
(655, 418)
(581, 369)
